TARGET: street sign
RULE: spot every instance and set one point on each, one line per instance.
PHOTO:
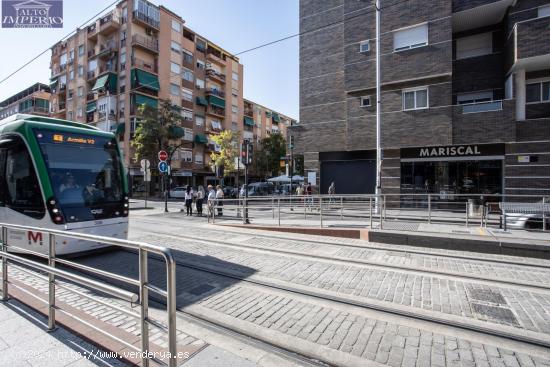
(163, 167)
(163, 155)
(145, 164)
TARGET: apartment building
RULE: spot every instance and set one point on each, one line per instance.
(465, 96)
(260, 122)
(139, 54)
(34, 100)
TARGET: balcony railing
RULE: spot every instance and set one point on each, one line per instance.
(147, 42)
(137, 15)
(107, 68)
(92, 29)
(142, 64)
(249, 112)
(482, 107)
(214, 74)
(90, 97)
(215, 110)
(91, 74)
(216, 92)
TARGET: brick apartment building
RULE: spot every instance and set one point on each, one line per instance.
(34, 99)
(139, 54)
(465, 94)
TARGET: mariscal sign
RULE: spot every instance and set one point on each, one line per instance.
(32, 14)
(453, 151)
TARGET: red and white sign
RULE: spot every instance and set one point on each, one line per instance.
(163, 155)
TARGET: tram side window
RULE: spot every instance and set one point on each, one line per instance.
(22, 192)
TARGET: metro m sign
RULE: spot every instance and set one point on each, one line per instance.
(34, 237)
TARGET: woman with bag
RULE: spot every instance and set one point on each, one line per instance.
(189, 200)
(200, 199)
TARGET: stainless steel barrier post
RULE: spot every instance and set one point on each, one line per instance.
(341, 208)
(279, 210)
(504, 219)
(543, 214)
(429, 209)
(384, 206)
(467, 215)
(144, 306)
(304, 199)
(370, 211)
(321, 211)
(380, 213)
(5, 295)
(171, 304)
(51, 283)
(272, 207)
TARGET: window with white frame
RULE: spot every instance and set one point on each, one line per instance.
(216, 125)
(544, 11)
(187, 115)
(80, 70)
(199, 120)
(79, 112)
(174, 89)
(199, 158)
(476, 97)
(201, 65)
(176, 25)
(187, 75)
(234, 109)
(411, 37)
(175, 68)
(176, 47)
(199, 83)
(538, 92)
(364, 46)
(188, 134)
(80, 50)
(235, 76)
(476, 45)
(415, 99)
(365, 101)
(186, 155)
(187, 94)
(80, 91)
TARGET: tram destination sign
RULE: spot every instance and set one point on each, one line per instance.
(453, 151)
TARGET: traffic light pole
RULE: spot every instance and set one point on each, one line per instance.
(245, 214)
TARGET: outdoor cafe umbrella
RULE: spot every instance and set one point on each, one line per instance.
(286, 179)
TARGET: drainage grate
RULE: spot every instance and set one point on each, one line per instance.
(201, 289)
(499, 314)
(486, 295)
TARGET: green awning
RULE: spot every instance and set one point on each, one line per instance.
(249, 121)
(140, 99)
(176, 132)
(91, 107)
(100, 82)
(216, 101)
(275, 117)
(201, 139)
(268, 114)
(201, 101)
(144, 79)
(112, 82)
(120, 128)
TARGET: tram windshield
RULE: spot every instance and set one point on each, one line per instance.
(84, 171)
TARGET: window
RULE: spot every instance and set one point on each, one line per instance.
(174, 46)
(187, 94)
(63, 59)
(70, 94)
(186, 155)
(71, 55)
(472, 46)
(200, 65)
(80, 50)
(79, 112)
(412, 37)
(538, 92)
(70, 115)
(71, 73)
(92, 65)
(365, 101)
(176, 25)
(199, 158)
(19, 185)
(199, 83)
(174, 89)
(80, 70)
(80, 91)
(188, 134)
(175, 68)
(187, 75)
(199, 120)
(216, 125)
(364, 46)
(478, 97)
(187, 56)
(235, 76)
(234, 109)
(544, 11)
(187, 115)
(415, 99)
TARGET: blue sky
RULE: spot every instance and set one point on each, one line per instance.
(270, 73)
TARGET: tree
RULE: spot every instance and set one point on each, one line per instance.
(299, 164)
(229, 150)
(268, 156)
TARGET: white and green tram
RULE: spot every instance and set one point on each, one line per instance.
(61, 175)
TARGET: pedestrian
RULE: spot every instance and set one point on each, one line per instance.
(219, 198)
(331, 191)
(200, 198)
(300, 190)
(211, 200)
(309, 193)
(189, 200)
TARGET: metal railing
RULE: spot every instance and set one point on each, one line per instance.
(10, 259)
(443, 208)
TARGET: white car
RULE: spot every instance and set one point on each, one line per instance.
(178, 192)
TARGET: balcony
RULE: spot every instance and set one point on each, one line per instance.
(216, 111)
(470, 14)
(107, 69)
(91, 74)
(147, 43)
(62, 88)
(144, 19)
(187, 104)
(108, 24)
(215, 92)
(107, 49)
(145, 65)
(215, 55)
(61, 107)
(91, 53)
(531, 39)
(187, 84)
(90, 117)
(92, 31)
(249, 112)
(90, 97)
(214, 75)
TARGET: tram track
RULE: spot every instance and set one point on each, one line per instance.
(412, 250)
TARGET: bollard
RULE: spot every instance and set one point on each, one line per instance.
(272, 208)
(370, 211)
(279, 210)
(341, 208)
(543, 214)
(321, 211)
(429, 209)
(467, 215)
(51, 284)
(380, 213)
(384, 206)
(4, 265)
(144, 304)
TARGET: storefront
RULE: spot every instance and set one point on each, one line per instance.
(453, 170)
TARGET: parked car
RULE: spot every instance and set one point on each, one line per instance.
(527, 221)
(178, 192)
(261, 189)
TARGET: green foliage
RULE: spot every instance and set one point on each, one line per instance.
(268, 155)
(299, 165)
(155, 130)
(228, 142)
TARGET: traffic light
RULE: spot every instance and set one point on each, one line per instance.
(250, 153)
(291, 142)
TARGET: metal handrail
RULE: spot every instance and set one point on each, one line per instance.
(52, 272)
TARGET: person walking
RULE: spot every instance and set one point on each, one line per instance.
(219, 198)
(189, 200)
(331, 192)
(211, 200)
(309, 193)
(200, 199)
